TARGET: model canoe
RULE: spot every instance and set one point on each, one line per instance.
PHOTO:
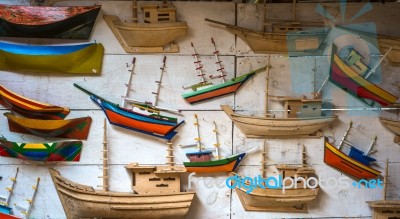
(74, 59)
(52, 151)
(30, 108)
(72, 22)
(77, 128)
(392, 125)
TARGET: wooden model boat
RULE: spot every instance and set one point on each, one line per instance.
(73, 128)
(86, 58)
(201, 160)
(356, 164)
(159, 29)
(350, 75)
(156, 194)
(292, 43)
(204, 90)
(72, 22)
(30, 108)
(385, 209)
(274, 199)
(392, 125)
(52, 151)
(392, 47)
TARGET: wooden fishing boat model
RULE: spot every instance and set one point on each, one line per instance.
(385, 209)
(86, 58)
(72, 22)
(275, 200)
(159, 30)
(156, 193)
(356, 164)
(203, 161)
(30, 108)
(205, 90)
(77, 128)
(351, 75)
(392, 125)
(51, 151)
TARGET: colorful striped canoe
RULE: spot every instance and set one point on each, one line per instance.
(72, 22)
(337, 159)
(346, 78)
(222, 165)
(208, 92)
(73, 128)
(53, 151)
(76, 59)
(30, 108)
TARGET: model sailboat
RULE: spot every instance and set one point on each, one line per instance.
(392, 125)
(156, 193)
(5, 209)
(159, 30)
(356, 163)
(205, 90)
(202, 161)
(302, 118)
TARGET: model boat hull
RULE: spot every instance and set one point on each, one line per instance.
(337, 159)
(7, 216)
(80, 201)
(393, 126)
(54, 151)
(77, 59)
(394, 55)
(137, 37)
(74, 128)
(258, 127)
(223, 165)
(30, 108)
(74, 22)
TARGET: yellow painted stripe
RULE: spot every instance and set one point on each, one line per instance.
(338, 153)
(360, 80)
(21, 102)
(34, 146)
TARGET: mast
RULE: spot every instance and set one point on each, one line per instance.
(385, 179)
(134, 11)
(170, 156)
(155, 103)
(6, 200)
(27, 211)
(216, 145)
(343, 140)
(220, 69)
(304, 156)
(263, 161)
(105, 176)
(199, 69)
(128, 85)
(377, 64)
(267, 87)
(371, 147)
(197, 139)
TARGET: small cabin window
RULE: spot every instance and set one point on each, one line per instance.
(154, 179)
(162, 185)
(144, 173)
(147, 14)
(163, 19)
(163, 14)
(169, 179)
(305, 107)
(358, 67)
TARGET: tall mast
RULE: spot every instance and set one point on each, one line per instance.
(128, 85)
(385, 180)
(263, 161)
(371, 147)
(304, 156)
(216, 145)
(199, 69)
(197, 139)
(170, 156)
(220, 69)
(377, 64)
(105, 159)
(267, 87)
(343, 140)
(155, 103)
(27, 211)
(6, 200)
(134, 11)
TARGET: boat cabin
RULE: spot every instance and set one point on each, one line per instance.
(353, 60)
(295, 171)
(300, 107)
(360, 156)
(155, 179)
(157, 14)
(199, 156)
(385, 209)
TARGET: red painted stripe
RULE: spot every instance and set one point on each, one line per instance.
(215, 93)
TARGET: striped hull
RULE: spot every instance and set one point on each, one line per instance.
(54, 151)
(347, 79)
(136, 121)
(30, 108)
(342, 162)
(224, 165)
(74, 128)
(75, 22)
(217, 90)
(80, 201)
(86, 58)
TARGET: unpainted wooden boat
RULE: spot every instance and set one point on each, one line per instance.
(294, 43)
(76, 59)
(77, 128)
(349, 75)
(72, 22)
(30, 108)
(160, 28)
(51, 151)
(392, 125)
(391, 45)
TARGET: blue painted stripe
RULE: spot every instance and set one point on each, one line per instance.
(41, 50)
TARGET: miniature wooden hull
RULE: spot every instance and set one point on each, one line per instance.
(145, 37)
(393, 126)
(349, 80)
(258, 127)
(292, 43)
(337, 159)
(223, 165)
(80, 201)
(294, 200)
(138, 122)
(74, 22)
(74, 128)
(30, 108)
(76, 59)
(213, 91)
(394, 55)
(54, 151)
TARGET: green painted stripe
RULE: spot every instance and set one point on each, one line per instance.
(211, 163)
